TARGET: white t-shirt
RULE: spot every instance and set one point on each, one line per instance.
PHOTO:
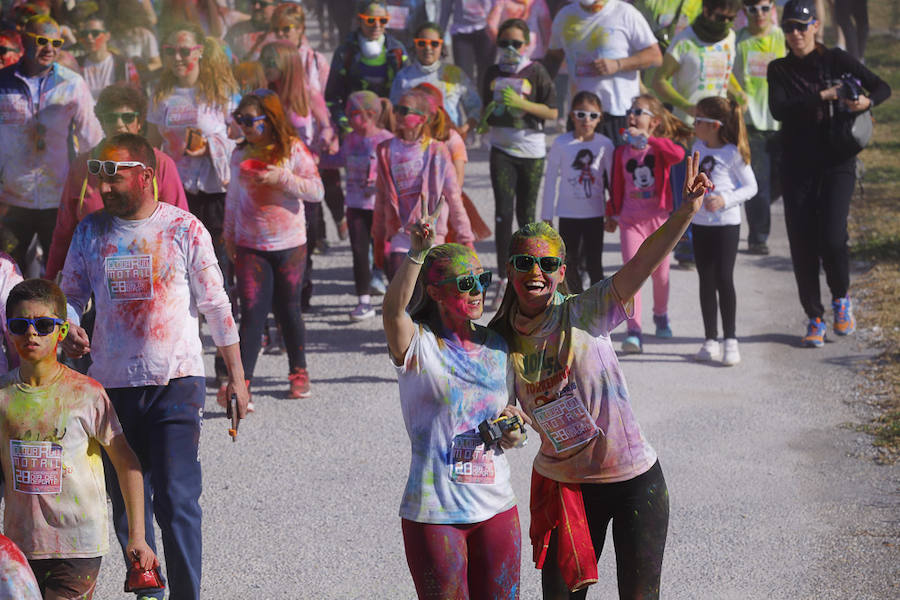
(577, 178)
(151, 279)
(617, 31)
(99, 75)
(703, 69)
(733, 180)
(445, 392)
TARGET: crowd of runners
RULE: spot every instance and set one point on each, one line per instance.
(170, 163)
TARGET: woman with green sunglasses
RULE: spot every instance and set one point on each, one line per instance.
(458, 507)
(594, 465)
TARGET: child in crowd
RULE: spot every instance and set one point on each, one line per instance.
(518, 95)
(578, 164)
(370, 118)
(641, 199)
(410, 165)
(725, 159)
(53, 421)
(9, 276)
(265, 230)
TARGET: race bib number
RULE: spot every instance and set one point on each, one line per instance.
(181, 114)
(758, 63)
(129, 277)
(716, 68)
(521, 86)
(566, 421)
(37, 467)
(13, 110)
(470, 463)
(399, 16)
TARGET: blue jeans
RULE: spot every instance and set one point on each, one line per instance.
(162, 425)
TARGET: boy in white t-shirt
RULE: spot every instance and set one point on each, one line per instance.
(53, 421)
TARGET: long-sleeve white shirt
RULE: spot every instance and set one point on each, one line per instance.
(577, 177)
(733, 179)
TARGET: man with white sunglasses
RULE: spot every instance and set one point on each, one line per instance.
(152, 270)
(45, 115)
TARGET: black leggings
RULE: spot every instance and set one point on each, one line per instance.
(271, 280)
(639, 511)
(516, 182)
(584, 245)
(715, 250)
(852, 16)
(334, 195)
(816, 205)
(359, 222)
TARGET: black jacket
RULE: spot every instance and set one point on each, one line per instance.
(794, 86)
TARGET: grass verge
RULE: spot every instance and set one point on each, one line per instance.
(875, 241)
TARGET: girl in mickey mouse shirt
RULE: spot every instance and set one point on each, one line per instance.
(641, 199)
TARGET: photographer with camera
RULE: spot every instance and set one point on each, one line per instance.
(821, 96)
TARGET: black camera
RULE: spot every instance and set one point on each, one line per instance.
(492, 431)
(851, 87)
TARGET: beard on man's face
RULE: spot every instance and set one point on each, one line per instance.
(119, 204)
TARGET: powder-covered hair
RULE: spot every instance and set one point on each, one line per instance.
(424, 102)
(730, 113)
(500, 321)
(268, 104)
(423, 308)
(440, 123)
(370, 101)
(216, 84)
(39, 290)
(292, 86)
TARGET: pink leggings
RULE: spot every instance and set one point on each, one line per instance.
(631, 237)
(457, 562)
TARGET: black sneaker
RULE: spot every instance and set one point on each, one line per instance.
(760, 249)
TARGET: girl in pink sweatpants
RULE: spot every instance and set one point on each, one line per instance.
(641, 199)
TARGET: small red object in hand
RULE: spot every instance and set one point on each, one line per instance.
(140, 581)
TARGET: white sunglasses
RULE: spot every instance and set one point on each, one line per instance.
(109, 167)
(708, 120)
(585, 114)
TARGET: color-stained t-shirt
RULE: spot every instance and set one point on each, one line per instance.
(514, 131)
(616, 31)
(660, 14)
(271, 217)
(151, 278)
(703, 68)
(50, 439)
(445, 392)
(577, 177)
(407, 170)
(568, 380)
(173, 116)
(754, 53)
(357, 153)
(640, 202)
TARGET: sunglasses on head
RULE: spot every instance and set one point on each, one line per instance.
(93, 32)
(792, 26)
(4, 50)
(284, 30)
(43, 40)
(42, 325)
(182, 51)
(372, 21)
(110, 167)
(424, 43)
(765, 8)
(403, 110)
(586, 114)
(113, 117)
(466, 283)
(707, 120)
(246, 120)
(525, 262)
(510, 44)
(638, 112)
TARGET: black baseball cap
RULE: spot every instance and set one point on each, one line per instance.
(802, 11)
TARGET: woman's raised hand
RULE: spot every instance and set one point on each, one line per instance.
(696, 184)
(422, 232)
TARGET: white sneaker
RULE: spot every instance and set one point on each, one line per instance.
(709, 351)
(732, 355)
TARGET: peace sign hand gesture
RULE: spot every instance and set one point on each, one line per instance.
(422, 232)
(696, 184)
